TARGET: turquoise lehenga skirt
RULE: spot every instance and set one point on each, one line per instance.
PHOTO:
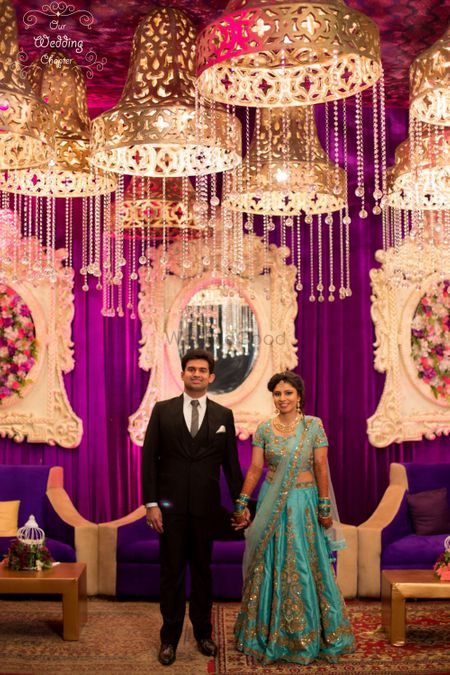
(292, 609)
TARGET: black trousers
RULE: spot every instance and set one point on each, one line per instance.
(186, 539)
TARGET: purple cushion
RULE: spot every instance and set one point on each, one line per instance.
(228, 552)
(429, 511)
(139, 551)
(413, 551)
(61, 552)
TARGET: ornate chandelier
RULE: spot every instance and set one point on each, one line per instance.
(420, 178)
(152, 204)
(276, 53)
(57, 79)
(158, 128)
(430, 83)
(152, 212)
(26, 124)
(286, 170)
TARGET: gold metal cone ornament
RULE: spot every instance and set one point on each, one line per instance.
(56, 77)
(154, 129)
(420, 178)
(429, 77)
(305, 181)
(278, 53)
(26, 124)
(147, 205)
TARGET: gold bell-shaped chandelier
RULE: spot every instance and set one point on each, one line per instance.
(286, 171)
(26, 124)
(430, 83)
(420, 178)
(277, 53)
(56, 78)
(152, 213)
(158, 128)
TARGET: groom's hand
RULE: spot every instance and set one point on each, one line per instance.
(154, 519)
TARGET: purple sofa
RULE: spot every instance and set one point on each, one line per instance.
(68, 536)
(133, 549)
(129, 557)
(388, 540)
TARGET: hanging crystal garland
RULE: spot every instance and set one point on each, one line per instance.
(287, 173)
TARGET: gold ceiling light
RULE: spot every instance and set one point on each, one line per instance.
(26, 124)
(287, 171)
(157, 129)
(429, 77)
(56, 78)
(278, 53)
(420, 178)
(149, 205)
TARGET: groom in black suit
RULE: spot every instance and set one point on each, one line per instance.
(188, 439)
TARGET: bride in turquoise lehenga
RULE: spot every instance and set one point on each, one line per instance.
(292, 609)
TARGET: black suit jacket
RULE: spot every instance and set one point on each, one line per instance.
(182, 481)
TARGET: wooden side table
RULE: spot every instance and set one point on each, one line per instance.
(66, 579)
(396, 586)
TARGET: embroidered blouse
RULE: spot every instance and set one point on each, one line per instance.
(274, 445)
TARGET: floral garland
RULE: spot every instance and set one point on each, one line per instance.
(18, 344)
(430, 340)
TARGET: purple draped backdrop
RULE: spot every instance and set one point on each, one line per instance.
(335, 359)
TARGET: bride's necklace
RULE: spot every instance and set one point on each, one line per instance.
(286, 428)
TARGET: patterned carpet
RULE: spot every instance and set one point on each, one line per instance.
(123, 637)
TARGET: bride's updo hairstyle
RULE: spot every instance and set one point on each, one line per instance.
(290, 378)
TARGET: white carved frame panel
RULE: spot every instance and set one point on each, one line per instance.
(274, 302)
(407, 410)
(43, 413)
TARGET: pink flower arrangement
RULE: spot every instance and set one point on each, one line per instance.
(23, 556)
(442, 565)
(430, 340)
(18, 345)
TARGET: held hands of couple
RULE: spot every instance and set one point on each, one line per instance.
(154, 519)
(241, 519)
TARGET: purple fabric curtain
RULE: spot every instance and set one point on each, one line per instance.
(335, 359)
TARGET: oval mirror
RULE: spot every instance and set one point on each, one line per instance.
(220, 320)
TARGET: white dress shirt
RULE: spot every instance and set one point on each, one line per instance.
(187, 413)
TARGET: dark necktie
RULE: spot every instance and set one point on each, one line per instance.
(194, 418)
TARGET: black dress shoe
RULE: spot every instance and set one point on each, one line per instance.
(166, 654)
(207, 647)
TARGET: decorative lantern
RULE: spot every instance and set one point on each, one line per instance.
(26, 124)
(157, 128)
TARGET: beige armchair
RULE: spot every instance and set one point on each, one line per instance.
(347, 563)
(85, 532)
(369, 533)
